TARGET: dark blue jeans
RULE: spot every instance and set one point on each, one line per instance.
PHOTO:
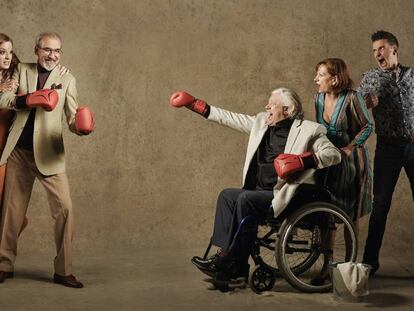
(388, 162)
(232, 206)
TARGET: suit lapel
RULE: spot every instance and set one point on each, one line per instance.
(32, 79)
(54, 75)
(32, 76)
(293, 135)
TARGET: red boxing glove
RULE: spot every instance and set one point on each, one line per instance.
(84, 120)
(180, 99)
(287, 164)
(46, 99)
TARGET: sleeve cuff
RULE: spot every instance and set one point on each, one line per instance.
(21, 102)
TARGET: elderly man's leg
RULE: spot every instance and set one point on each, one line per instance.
(223, 227)
(19, 184)
(249, 203)
(60, 203)
(225, 221)
(232, 206)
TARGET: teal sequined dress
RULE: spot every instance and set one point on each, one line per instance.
(350, 181)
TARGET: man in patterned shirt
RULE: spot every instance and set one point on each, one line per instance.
(389, 90)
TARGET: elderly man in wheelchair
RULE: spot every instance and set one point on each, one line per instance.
(283, 152)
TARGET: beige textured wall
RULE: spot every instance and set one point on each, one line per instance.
(150, 175)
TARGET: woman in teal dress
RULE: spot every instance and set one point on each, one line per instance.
(344, 114)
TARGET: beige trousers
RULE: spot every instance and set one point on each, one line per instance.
(2, 178)
(20, 176)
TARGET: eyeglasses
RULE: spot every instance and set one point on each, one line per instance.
(51, 51)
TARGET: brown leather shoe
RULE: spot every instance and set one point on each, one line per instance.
(5, 275)
(69, 281)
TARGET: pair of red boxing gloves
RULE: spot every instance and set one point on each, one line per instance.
(48, 99)
(285, 164)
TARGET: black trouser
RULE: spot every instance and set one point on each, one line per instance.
(388, 162)
(232, 206)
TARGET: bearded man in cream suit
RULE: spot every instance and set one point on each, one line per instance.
(279, 133)
(34, 149)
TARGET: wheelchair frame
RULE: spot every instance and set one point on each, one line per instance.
(310, 211)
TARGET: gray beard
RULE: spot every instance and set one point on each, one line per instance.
(48, 67)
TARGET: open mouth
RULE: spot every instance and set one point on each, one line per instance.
(381, 62)
(269, 117)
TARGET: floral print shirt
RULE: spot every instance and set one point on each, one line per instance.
(394, 114)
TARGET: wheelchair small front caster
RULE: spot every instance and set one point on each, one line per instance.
(262, 279)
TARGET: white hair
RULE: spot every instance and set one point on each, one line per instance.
(291, 100)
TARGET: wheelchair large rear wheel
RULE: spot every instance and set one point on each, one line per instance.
(311, 237)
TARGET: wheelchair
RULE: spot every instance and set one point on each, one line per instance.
(303, 239)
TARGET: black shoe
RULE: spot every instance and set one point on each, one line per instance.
(221, 281)
(241, 272)
(214, 264)
(228, 281)
(374, 266)
(5, 275)
(207, 266)
(69, 281)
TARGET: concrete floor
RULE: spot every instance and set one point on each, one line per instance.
(166, 280)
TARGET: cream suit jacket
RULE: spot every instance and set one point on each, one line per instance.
(303, 136)
(48, 145)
